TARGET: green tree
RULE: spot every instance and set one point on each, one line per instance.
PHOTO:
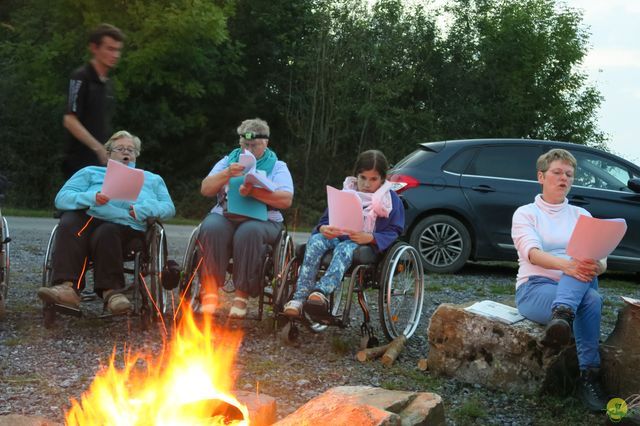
(510, 69)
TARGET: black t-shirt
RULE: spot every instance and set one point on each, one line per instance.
(93, 102)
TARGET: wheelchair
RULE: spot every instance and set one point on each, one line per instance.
(148, 257)
(5, 264)
(275, 259)
(396, 274)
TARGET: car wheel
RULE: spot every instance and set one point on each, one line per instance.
(443, 242)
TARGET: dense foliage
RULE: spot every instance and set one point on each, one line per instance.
(331, 77)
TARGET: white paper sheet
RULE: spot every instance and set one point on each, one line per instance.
(345, 210)
(259, 178)
(631, 301)
(496, 311)
(248, 161)
(254, 176)
(122, 182)
(595, 238)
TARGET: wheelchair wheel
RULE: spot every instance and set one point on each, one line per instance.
(47, 264)
(401, 291)
(283, 253)
(190, 280)
(156, 260)
(5, 252)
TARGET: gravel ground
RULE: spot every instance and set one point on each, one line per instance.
(40, 369)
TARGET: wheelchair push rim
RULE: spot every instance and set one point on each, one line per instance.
(401, 293)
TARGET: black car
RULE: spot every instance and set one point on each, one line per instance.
(460, 196)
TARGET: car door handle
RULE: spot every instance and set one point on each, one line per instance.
(483, 188)
(578, 201)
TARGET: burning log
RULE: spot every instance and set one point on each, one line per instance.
(372, 353)
(394, 350)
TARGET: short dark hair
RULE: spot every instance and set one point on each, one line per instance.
(372, 160)
(105, 30)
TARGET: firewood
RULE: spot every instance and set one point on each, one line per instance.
(371, 353)
(394, 350)
(422, 364)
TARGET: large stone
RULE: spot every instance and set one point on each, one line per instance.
(20, 420)
(620, 354)
(369, 406)
(476, 349)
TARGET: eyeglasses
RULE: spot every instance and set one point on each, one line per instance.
(124, 150)
(251, 145)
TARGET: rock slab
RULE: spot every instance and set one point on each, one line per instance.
(479, 350)
(369, 406)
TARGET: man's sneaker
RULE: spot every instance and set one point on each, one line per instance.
(590, 390)
(61, 294)
(293, 309)
(558, 331)
(117, 303)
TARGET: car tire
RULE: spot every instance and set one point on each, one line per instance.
(444, 243)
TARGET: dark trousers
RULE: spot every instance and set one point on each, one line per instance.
(81, 238)
(248, 241)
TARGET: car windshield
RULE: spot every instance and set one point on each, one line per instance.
(601, 173)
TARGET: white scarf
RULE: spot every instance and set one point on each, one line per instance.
(373, 204)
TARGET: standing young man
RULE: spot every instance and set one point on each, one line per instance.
(91, 102)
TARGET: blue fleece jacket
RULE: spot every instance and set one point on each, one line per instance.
(387, 229)
(79, 192)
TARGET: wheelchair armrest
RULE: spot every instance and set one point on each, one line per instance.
(152, 221)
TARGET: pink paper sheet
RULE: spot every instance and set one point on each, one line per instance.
(595, 238)
(122, 182)
(345, 210)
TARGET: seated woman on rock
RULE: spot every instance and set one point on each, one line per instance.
(552, 288)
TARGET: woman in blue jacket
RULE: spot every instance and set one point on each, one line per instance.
(383, 223)
(93, 226)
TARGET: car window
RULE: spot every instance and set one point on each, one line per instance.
(415, 158)
(513, 162)
(599, 172)
(458, 163)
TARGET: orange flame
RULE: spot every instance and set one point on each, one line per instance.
(189, 383)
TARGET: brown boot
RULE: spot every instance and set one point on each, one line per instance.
(558, 331)
(117, 303)
(61, 294)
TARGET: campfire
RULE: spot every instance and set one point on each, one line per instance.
(188, 383)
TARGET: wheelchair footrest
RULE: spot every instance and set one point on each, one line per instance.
(67, 310)
(323, 317)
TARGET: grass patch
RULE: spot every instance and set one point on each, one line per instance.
(340, 345)
(262, 366)
(435, 287)
(22, 379)
(10, 211)
(415, 379)
(12, 341)
(619, 285)
(501, 290)
(470, 412)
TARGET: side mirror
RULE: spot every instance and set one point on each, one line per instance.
(634, 185)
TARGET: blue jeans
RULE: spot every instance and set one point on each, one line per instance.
(317, 246)
(537, 297)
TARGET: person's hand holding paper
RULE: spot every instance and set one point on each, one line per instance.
(122, 182)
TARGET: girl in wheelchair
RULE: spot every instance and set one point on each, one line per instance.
(384, 221)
